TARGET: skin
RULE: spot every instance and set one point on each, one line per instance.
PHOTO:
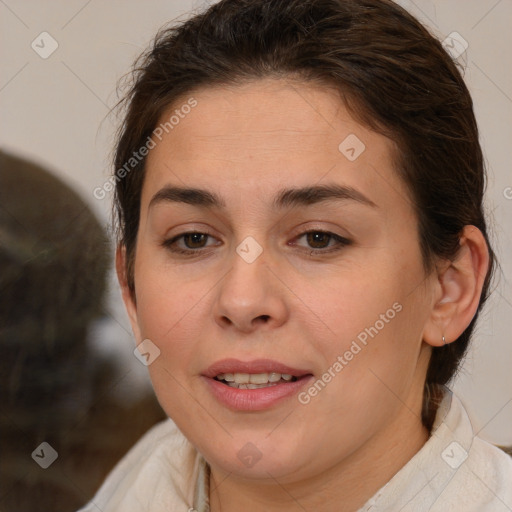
(244, 143)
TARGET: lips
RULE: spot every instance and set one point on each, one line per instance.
(257, 366)
(254, 385)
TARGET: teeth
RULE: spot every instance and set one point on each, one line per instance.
(258, 378)
(253, 380)
(274, 377)
(242, 378)
(251, 386)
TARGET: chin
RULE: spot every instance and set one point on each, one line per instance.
(260, 460)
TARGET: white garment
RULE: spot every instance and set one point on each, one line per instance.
(453, 471)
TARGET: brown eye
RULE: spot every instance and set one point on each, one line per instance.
(189, 244)
(195, 240)
(322, 242)
(318, 239)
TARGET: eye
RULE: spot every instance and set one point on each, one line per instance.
(320, 241)
(193, 241)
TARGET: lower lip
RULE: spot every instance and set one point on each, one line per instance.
(255, 399)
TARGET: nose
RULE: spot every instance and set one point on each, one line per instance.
(250, 297)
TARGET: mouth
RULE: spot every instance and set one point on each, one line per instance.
(255, 380)
(254, 385)
(259, 372)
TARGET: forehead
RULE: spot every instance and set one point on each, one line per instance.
(265, 134)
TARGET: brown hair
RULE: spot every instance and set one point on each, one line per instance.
(392, 74)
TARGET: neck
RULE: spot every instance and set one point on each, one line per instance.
(345, 487)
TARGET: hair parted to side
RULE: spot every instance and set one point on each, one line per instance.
(392, 74)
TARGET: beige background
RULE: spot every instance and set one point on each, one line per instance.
(54, 111)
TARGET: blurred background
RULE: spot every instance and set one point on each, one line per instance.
(68, 376)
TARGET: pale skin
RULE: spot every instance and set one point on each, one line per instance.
(244, 144)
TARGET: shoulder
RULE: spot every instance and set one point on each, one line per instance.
(486, 477)
(480, 478)
(455, 470)
(158, 472)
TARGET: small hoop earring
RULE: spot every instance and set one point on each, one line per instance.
(444, 341)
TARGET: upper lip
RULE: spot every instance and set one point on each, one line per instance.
(254, 366)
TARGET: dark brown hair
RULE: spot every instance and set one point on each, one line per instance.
(392, 74)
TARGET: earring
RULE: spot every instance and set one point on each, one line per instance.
(444, 341)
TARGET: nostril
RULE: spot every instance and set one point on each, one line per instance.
(226, 320)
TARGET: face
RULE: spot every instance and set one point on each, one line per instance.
(303, 275)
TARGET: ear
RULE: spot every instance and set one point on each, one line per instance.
(458, 289)
(127, 294)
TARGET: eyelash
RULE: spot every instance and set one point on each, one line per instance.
(341, 243)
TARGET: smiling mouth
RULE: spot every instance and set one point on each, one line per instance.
(255, 380)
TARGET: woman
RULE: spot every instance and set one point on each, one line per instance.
(303, 256)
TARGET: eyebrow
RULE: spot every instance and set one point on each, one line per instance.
(284, 198)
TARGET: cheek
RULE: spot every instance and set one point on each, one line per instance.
(351, 301)
(372, 319)
(168, 316)
(167, 311)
